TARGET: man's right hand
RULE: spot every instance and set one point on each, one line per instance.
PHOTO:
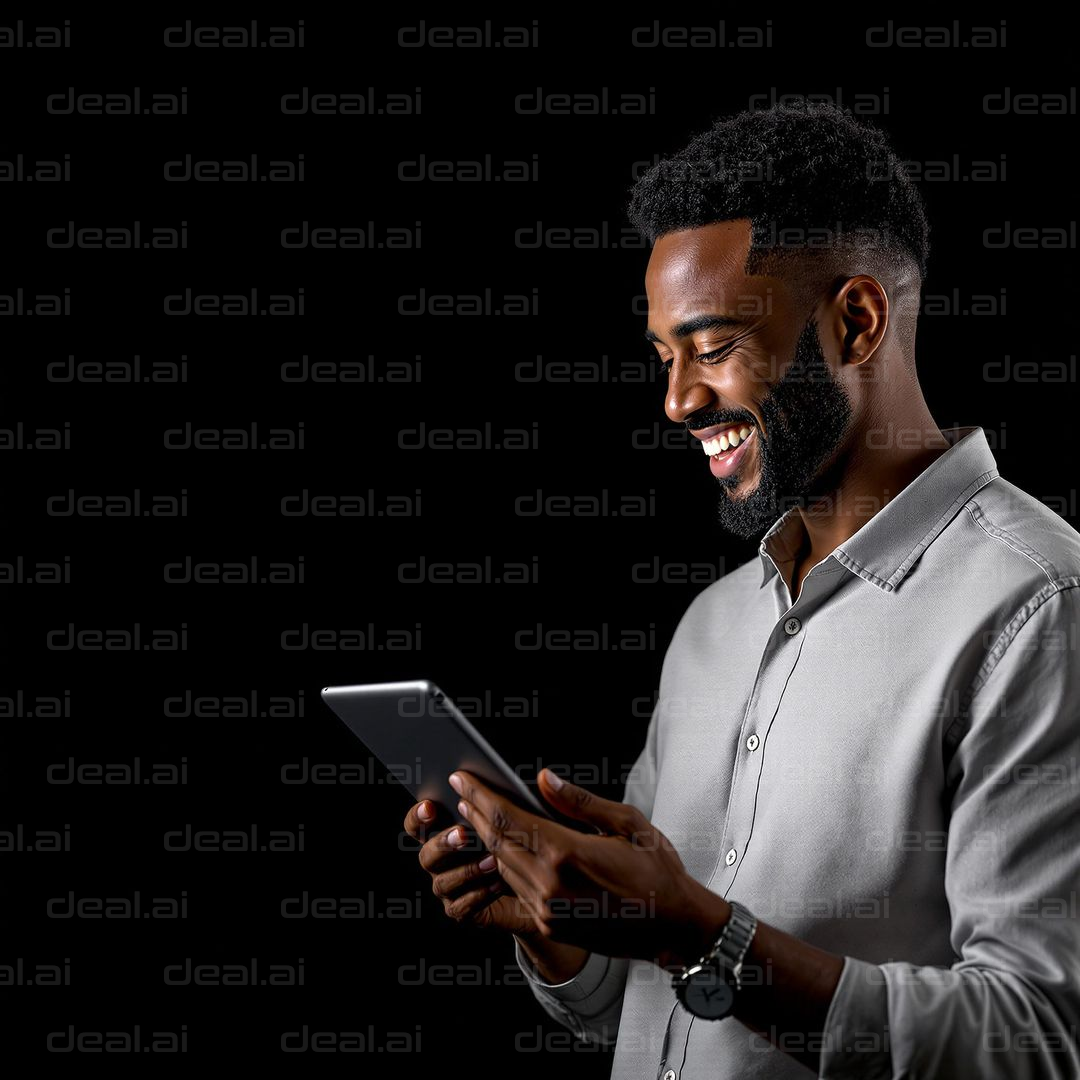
(467, 880)
(463, 875)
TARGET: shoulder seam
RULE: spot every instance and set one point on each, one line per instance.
(993, 657)
(978, 515)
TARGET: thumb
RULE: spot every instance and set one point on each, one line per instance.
(579, 803)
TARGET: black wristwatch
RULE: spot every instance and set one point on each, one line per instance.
(708, 988)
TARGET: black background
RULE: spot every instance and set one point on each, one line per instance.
(591, 707)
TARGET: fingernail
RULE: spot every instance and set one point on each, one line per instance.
(455, 782)
(463, 808)
(455, 838)
(487, 862)
(425, 812)
(555, 781)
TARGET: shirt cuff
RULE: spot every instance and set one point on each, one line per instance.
(855, 1038)
(581, 986)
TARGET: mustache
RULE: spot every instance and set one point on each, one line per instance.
(713, 419)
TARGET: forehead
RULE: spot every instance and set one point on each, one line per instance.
(702, 266)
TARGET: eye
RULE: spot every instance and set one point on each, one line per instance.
(716, 355)
(711, 357)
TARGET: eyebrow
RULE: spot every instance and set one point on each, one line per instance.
(698, 322)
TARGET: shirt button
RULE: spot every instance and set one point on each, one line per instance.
(731, 856)
(752, 742)
(792, 627)
(670, 1074)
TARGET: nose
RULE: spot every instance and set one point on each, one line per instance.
(686, 393)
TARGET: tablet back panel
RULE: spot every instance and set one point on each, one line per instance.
(421, 737)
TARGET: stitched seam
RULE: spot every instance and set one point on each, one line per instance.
(931, 534)
(993, 657)
(957, 505)
(820, 573)
(978, 515)
(857, 568)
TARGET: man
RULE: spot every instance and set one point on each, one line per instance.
(860, 778)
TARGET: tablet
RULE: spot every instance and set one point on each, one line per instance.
(421, 737)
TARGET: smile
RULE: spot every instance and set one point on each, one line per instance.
(726, 451)
(726, 440)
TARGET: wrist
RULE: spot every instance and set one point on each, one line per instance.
(554, 961)
(696, 934)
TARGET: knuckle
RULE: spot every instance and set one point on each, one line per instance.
(429, 854)
(500, 819)
(558, 857)
(548, 888)
(457, 909)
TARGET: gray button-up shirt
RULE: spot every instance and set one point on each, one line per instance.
(889, 768)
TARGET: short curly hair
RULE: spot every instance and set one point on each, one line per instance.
(816, 182)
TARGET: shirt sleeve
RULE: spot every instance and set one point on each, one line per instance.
(1009, 1008)
(590, 1004)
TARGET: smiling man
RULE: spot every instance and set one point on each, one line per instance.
(849, 846)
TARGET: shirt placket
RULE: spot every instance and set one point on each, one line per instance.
(778, 660)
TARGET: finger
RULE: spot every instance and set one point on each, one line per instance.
(618, 818)
(506, 823)
(451, 847)
(471, 904)
(468, 876)
(519, 892)
(519, 867)
(500, 839)
(420, 827)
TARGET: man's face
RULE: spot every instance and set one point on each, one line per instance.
(747, 366)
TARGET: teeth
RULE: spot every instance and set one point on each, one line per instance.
(728, 440)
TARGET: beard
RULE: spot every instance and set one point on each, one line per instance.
(807, 414)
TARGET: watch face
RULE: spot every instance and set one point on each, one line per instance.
(707, 994)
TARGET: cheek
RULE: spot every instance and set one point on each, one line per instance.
(743, 380)
(762, 368)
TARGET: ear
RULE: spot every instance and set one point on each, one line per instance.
(864, 309)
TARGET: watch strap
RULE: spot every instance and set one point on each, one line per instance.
(734, 941)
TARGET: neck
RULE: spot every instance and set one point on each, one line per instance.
(867, 477)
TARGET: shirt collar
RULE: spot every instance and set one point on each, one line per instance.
(888, 544)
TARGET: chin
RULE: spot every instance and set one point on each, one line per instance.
(742, 489)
